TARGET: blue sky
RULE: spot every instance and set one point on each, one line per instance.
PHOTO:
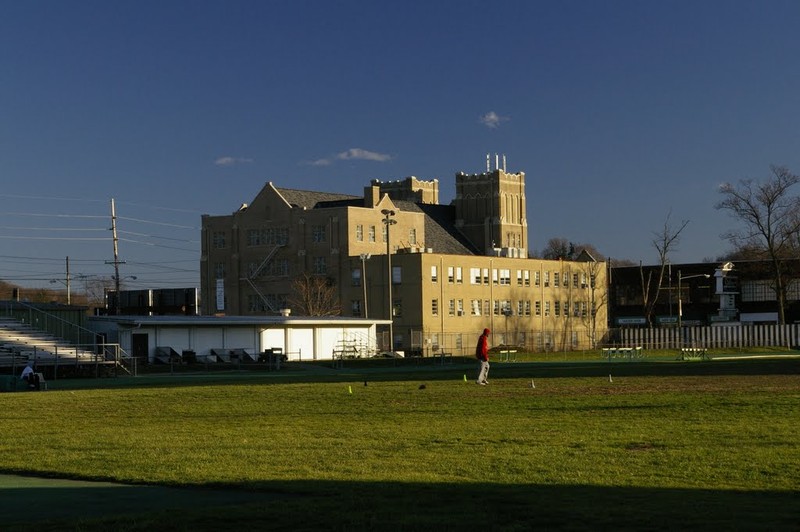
(620, 113)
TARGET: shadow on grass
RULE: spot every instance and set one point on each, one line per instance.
(409, 370)
(308, 505)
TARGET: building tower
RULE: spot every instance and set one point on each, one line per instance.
(490, 210)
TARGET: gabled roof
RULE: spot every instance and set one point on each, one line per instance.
(441, 234)
(309, 199)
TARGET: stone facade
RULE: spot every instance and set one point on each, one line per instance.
(455, 269)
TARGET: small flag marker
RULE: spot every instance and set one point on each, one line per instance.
(533, 385)
(609, 378)
(465, 378)
(350, 390)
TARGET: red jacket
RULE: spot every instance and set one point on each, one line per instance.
(482, 349)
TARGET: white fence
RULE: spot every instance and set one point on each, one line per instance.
(708, 337)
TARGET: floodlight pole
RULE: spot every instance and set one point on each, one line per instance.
(364, 258)
(388, 221)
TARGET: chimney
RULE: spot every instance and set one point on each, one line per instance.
(372, 196)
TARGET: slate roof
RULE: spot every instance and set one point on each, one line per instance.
(441, 234)
(310, 199)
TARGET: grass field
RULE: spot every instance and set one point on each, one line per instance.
(702, 445)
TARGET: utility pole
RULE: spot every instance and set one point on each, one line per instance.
(69, 296)
(116, 262)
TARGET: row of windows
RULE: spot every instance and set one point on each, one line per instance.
(279, 236)
(397, 308)
(502, 276)
(485, 307)
(397, 276)
(270, 302)
(412, 234)
(274, 268)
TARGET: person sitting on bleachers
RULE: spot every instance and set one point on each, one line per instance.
(30, 377)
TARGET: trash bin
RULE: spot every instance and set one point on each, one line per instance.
(189, 356)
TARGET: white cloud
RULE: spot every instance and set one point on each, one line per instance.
(353, 154)
(364, 155)
(231, 161)
(492, 120)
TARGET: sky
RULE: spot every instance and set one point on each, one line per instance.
(623, 115)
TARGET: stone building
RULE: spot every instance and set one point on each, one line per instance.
(452, 269)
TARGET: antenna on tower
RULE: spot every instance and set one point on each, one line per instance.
(504, 162)
(496, 162)
(488, 168)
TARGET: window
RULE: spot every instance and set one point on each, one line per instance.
(475, 276)
(397, 274)
(556, 279)
(487, 308)
(538, 307)
(355, 307)
(574, 280)
(475, 307)
(452, 309)
(372, 233)
(527, 277)
(557, 308)
(583, 280)
(505, 277)
(528, 308)
(219, 270)
(360, 233)
(519, 277)
(450, 274)
(277, 268)
(486, 276)
(537, 278)
(576, 309)
(385, 233)
(496, 307)
(495, 276)
(218, 240)
(412, 237)
(459, 277)
(397, 308)
(520, 308)
(583, 309)
(318, 233)
(546, 279)
(460, 307)
(434, 274)
(435, 307)
(355, 277)
(272, 236)
(320, 266)
(254, 237)
(546, 308)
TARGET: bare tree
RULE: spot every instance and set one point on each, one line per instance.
(558, 248)
(314, 295)
(597, 297)
(770, 218)
(664, 241)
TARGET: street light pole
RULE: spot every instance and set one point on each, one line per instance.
(680, 295)
(364, 258)
(388, 222)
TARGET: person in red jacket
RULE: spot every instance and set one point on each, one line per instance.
(482, 354)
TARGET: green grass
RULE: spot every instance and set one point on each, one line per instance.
(663, 446)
